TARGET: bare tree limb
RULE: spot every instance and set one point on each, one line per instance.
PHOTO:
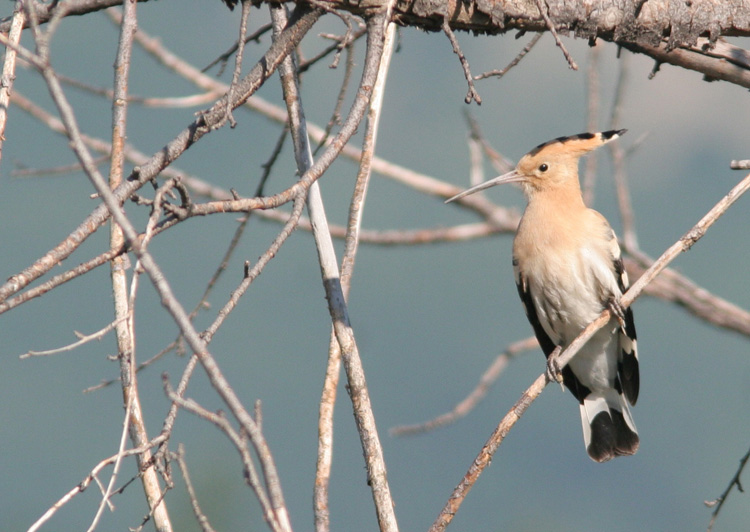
(726, 62)
(9, 67)
(376, 470)
(544, 11)
(302, 20)
(215, 376)
(125, 328)
(351, 239)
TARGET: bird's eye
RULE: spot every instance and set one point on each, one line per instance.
(543, 167)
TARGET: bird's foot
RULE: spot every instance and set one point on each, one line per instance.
(553, 371)
(617, 311)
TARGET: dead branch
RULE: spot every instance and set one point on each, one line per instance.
(488, 378)
(365, 420)
(9, 67)
(472, 94)
(300, 23)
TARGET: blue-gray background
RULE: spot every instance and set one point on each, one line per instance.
(428, 319)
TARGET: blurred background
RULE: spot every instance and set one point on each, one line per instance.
(428, 319)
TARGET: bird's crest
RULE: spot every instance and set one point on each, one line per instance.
(578, 144)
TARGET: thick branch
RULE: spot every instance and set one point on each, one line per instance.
(681, 33)
(629, 20)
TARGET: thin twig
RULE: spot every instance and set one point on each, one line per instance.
(499, 162)
(82, 339)
(63, 169)
(240, 442)
(343, 43)
(336, 114)
(237, 236)
(237, 65)
(718, 503)
(224, 58)
(179, 456)
(543, 10)
(126, 427)
(86, 482)
(516, 60)
(166, 102)
(488, 378)
(506, 424)
(472, 94)
(59, 279)
(143, 365)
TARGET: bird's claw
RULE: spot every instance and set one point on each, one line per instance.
(617, 311)
(553, 371)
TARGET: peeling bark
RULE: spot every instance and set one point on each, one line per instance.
(643, 22)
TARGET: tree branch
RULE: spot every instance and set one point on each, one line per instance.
(9, 67)
(302, 20)
(375, 463)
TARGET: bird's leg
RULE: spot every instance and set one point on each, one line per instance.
(553, 371)
(617, 311)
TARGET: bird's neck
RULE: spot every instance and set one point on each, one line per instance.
(552, 221)
(564, 196)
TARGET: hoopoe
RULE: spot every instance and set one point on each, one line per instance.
(568, 268)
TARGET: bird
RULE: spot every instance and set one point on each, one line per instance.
(568, 268)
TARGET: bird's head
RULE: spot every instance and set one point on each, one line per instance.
(548, 164)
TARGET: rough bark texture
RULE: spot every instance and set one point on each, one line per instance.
(644, 22)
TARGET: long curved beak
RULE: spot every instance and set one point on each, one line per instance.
(510, 177)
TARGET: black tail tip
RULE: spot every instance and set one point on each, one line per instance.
(611, 436)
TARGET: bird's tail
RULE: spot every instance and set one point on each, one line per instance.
(608, 428)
